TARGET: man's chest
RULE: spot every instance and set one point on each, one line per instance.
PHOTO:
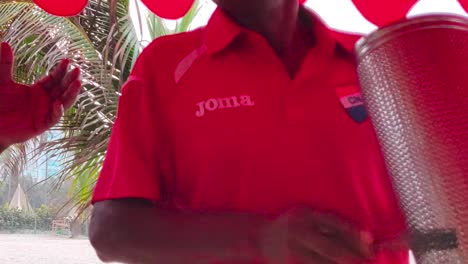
(240, 134)
(233, 131)
(257, 107)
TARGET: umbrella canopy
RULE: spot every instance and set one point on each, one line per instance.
(20, 200)
(380, 12)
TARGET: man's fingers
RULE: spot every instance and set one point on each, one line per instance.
(333, 249)
(304, 254)
(60, 71)
(70, 77)
(359, 241)
(56, 114)
(398, 244)
(329, 245)
(44, 121)
(69, 96)
(6, 63)
(52, 81)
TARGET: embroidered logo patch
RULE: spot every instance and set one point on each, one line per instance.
(352, 101)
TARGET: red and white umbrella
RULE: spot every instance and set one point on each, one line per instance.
(380, 13)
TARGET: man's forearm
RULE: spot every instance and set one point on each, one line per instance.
(133, 233)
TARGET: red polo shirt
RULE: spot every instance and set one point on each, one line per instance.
(210, 119)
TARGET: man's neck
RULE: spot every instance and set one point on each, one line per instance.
(278, 22)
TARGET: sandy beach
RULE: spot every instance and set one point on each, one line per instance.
(45, 249)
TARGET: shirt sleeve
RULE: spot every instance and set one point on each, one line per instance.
(131, 167)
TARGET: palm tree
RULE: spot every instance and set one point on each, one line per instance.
(103, 42)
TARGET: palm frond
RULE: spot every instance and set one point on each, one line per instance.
(40, 41)
(15, 159)
(103, 43)
(158, 27)
(184, 23)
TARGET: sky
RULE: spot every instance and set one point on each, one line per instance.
(46, 165)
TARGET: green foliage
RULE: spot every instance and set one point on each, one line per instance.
(12, 220)
(158, 28)
(103, 43)
(44, 217)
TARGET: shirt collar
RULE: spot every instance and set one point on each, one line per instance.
(221, 30)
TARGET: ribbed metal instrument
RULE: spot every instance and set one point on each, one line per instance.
(414, 77)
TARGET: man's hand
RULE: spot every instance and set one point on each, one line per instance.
(138, 231)
(312, 237)
(28, 111)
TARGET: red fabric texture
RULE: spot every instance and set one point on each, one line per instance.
(380, 13)
(171, 9)
(211, 120)
(62, 7)
(131, 168)
(464, 4)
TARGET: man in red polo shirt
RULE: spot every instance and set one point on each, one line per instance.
(28, 111)
(246, 142)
